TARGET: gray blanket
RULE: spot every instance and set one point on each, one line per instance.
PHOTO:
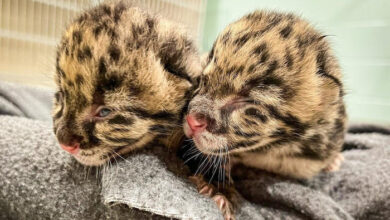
(40, 181)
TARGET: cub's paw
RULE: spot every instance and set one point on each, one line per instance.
(203, 187)
(209, 190)
(225, 206)
(336, 163)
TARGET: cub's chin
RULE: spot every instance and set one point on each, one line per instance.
(91, 160)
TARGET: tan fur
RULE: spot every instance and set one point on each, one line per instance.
(273, 90)
(138, 65)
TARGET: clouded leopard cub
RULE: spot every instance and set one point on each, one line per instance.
(124, 78)
(270, 97)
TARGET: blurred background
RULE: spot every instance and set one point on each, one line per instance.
(359, 33)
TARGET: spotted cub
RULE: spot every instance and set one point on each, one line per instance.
(270, 97)
(124, 78)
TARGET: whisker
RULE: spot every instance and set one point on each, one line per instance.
(200, 169)
(214, 170)
(192, 157)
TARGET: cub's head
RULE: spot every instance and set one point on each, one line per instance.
(262, 85)
(123, 79)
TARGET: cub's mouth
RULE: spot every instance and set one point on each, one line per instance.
(96, 156)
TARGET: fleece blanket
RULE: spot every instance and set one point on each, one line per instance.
(40, 181)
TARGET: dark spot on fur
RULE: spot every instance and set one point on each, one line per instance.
(127, 141)
(256, 114)
(249, 122)
(120, 119)
(285, 32)
(279, 132)
(102, 69)
(118, 10)
(226, 37)
(70, 83)
(89, 129)
(77, 36)
(135, 90)
(97, 30)
(106, 10)
(239, 42)
(289, 59)
(150, 22)
(272, 81)
(235, 71)
(112, 33)
(338, 130)
(242, 144)
(242, 133)
(251, 68)
(135, 63)
(114, 52)
(264, 57)
(271, 68)
(98, 97)
(83, 54)
(162, 115)
(79, 79)
(259, 49)
(254, 16)
(342, 111)
(60, 72)
(81, 100)
(288, 119)
(314, 148)
(158, 129)
(111, 83)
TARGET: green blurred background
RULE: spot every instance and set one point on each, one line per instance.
(360, 36)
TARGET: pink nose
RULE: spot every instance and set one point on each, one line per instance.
(197, 124)
(71, 149)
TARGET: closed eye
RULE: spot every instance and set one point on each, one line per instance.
(236, 103)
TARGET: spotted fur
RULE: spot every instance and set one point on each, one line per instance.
(272, 96)
(137, 66)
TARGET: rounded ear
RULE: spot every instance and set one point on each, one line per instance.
(177, 51)
(203, 59)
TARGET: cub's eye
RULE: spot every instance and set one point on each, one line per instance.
(103, 112)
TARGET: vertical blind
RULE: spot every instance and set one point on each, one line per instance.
(31, 29)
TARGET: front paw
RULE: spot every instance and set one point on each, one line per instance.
(225, 206)
(336, 163)
(203, 187)
(209, 190)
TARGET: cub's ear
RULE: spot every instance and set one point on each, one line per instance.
(203, 59)
(177, 51)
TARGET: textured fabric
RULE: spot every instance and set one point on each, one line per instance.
(359, 190)
(40, 181)
(25, 101)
